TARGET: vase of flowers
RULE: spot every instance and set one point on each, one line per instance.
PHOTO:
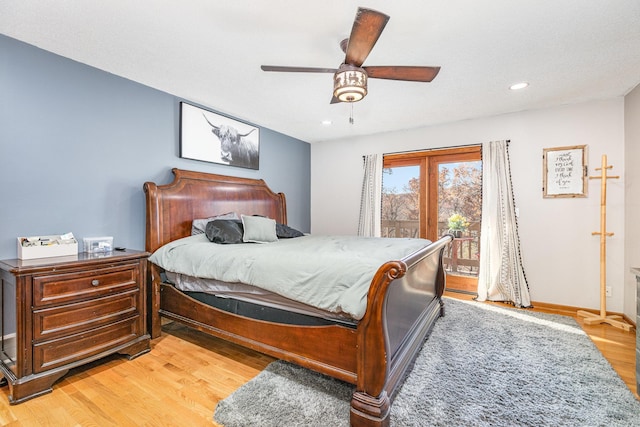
(457, 224)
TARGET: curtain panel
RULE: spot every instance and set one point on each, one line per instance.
(371, 198)
(501, 274)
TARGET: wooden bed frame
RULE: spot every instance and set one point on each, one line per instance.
(404, 299)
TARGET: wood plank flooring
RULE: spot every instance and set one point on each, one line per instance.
(180, 381)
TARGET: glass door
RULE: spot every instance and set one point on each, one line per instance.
(458, 189)
(401, 201)
(431, 193)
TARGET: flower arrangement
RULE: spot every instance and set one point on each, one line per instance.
(457, 222)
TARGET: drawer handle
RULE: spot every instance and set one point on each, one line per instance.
(95, 282)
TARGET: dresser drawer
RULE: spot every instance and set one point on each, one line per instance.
(54, 322)
(54, 353)
(69, 287)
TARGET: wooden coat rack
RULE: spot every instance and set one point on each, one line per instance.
(593, 318)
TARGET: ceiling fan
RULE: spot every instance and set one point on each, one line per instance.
(350, 78)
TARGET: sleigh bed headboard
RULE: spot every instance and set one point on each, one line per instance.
(172, 207)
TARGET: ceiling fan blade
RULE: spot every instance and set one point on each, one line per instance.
(367, 27)
(407, 73)
(298, 69)
(334, 100)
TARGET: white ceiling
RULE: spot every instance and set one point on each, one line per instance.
(209, 52)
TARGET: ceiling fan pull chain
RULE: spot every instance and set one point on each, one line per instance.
(351, 116)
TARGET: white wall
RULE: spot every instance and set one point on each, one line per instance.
(632, 197)
(561, 257)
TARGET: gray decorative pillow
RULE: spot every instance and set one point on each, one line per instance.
(285, 232)
(258, 229)
(198, 226)
(224, 231)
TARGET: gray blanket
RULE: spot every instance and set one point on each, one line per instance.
(332, 273)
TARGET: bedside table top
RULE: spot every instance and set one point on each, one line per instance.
(26, 266)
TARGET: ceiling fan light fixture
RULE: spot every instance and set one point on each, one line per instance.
(350, 84)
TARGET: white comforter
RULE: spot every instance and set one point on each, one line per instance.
(332, 273)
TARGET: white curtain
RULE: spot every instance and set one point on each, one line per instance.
(371, 199)
(501, 275)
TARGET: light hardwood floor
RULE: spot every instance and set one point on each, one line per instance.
(180, 381)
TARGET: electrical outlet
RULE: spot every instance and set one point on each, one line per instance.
(607, 291)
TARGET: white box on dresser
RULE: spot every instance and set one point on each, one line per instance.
(57, 247)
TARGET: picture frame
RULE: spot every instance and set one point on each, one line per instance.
(211, 137)
(564, 171)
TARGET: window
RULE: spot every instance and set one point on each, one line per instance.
(422, 190)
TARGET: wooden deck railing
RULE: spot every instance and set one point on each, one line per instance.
(462, 256)
(400, 228)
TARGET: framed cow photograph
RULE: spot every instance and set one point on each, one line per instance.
(210, 137)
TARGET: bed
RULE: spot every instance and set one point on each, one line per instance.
(374, 353)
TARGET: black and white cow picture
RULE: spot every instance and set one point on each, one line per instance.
(236, 149)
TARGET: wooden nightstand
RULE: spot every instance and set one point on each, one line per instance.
(59, 313)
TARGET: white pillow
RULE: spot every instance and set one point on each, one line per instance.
(258, 229)
(198, 226)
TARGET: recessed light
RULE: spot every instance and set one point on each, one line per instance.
(518, 86)
(327, 122)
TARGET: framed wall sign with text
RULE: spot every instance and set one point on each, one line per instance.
(564, 171)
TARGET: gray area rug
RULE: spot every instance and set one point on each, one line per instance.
(481, 366)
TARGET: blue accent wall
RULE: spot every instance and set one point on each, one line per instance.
(78, 143)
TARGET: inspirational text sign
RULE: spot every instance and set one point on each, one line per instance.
(564, 172)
